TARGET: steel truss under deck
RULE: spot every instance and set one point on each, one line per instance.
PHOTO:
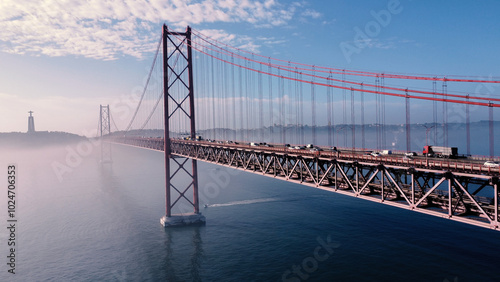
(443, 193)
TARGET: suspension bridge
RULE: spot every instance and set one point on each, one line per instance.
(329, 128)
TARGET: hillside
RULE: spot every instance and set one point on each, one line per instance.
(38, 139)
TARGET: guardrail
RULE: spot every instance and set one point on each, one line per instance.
(359, 156)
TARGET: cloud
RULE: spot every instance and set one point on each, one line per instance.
(271, 40)
(108, 30)
(389, 43)
(311, 13)
(376, 43)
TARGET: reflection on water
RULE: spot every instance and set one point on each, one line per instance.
(195, 251)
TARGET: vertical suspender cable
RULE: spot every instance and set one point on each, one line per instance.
(492, 136)
(467, 126)
(353, 121)
(271, 122)
(313, 108)
(297, 106)
(301, 97)
(377, 111)
(290, 107)
(213, 98)
(247, 100)
(382, 99)
(329, 109)
(241, 97)
(408, 130)
(250, 93)
(261, 105)
(219, 105)
(233, 94)
(225, 101)
(434, 110)
(363, 145)
(445, 114)
(280, 110)
(344, 110)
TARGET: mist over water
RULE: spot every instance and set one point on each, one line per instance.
(101, 222)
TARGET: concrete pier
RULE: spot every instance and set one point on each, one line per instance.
(183, 220)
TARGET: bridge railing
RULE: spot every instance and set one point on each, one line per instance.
(355, 156)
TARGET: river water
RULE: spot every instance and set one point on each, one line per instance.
(79, 220)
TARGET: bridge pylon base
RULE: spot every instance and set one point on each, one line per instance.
(176, 220)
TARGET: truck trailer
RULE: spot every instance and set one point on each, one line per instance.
(440, 152)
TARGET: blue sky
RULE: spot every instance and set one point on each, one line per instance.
(62, 59)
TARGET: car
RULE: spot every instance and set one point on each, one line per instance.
(287, 145)
(375, 154)
(410, 154)
(254, 144)
(299, 147)
(491, 164)
(267, 145)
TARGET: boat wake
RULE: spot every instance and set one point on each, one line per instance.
(265, 200)
(244, 202)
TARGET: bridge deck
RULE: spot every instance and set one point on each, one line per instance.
(445, 188)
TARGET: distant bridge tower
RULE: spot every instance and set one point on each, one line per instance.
(177, 93)
(104, 130)
(31, 123)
